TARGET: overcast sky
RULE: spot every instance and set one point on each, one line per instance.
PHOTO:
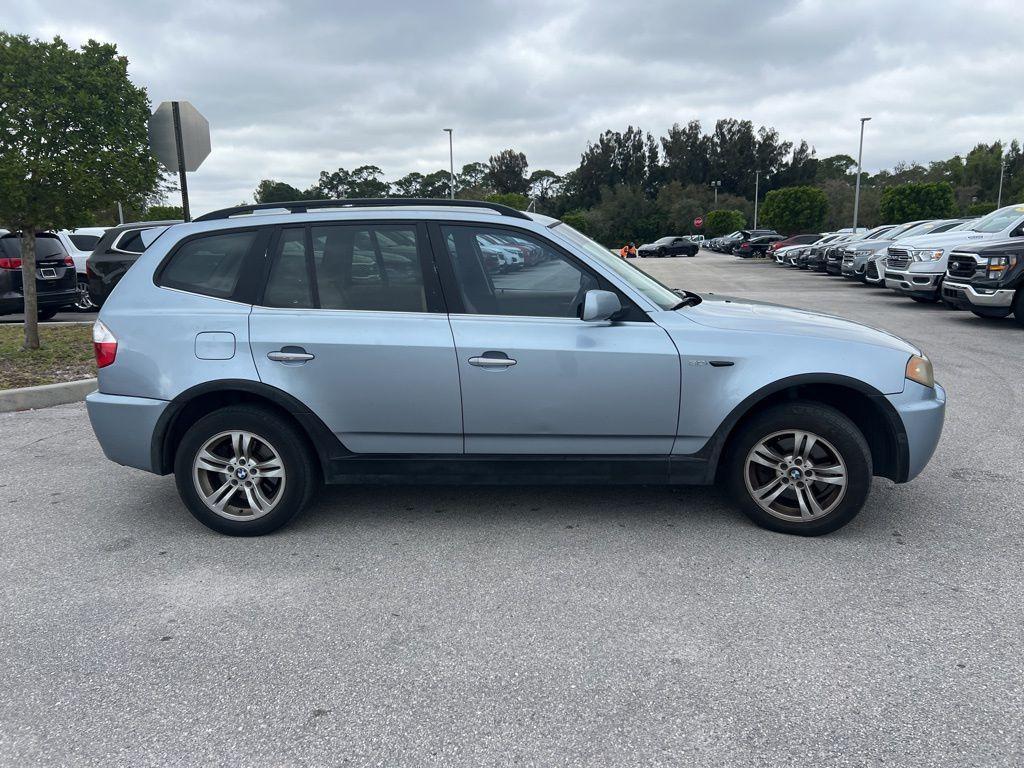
(291, 88)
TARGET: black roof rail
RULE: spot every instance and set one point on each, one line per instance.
(302, 206)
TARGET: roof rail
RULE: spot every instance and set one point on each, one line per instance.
(302, 206)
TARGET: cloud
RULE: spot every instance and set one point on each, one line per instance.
(292, 88)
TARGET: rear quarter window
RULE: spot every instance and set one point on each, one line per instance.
(209, 265)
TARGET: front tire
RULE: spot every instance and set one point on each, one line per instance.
(84, 303)
(990, 314)
(800, 468)
(244, 471)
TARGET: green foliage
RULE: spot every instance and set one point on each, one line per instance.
(795, 209)
(506, 172)
(722, 222)
(577, 220)
(511, 199)
(164, 212)
(907, 202)
(364, 181)
(271, 191)
(625, 214)
(980, 209)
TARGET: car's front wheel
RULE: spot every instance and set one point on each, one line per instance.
(244, 471)
(84, 302)
(801, 468)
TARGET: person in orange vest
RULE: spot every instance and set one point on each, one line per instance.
(624, 252)
(632, 251)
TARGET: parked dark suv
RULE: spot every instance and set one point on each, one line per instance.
(56, 284)
(669, 246)
(756, 246)
(116, 251)
(988, 280)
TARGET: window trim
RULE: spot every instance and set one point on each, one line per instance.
(243, 287)
(431, 283)
(453, 296)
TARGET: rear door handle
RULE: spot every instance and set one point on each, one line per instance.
(492, 360)
(290, 355)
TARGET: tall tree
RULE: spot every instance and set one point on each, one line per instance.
(364, 181)
(687, 154)
(73, 140)
(272, 191)
(506, 172)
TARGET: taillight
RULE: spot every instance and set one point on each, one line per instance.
(68, 261)
(104, 344)
(6, 263)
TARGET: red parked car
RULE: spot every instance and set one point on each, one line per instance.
(794, 240)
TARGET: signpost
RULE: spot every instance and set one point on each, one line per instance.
(180, 139)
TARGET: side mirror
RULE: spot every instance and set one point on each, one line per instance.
(600, 305)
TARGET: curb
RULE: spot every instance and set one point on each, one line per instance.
(45, 396)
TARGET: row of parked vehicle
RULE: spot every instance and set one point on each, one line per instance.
(975, 264)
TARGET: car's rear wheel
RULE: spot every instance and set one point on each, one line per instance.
(1018, 307)
(801, 468)
(244, 471)
(84, 302)
(47, 314)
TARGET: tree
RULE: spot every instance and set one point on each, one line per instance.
(511, 199)
(721, 222)
(625, 214)
(73, 140)
(795, 209)
(473, 175)
(907, 202)
(506, 172)
(410, 185)
(364, 181)
(270, 191)
(165, 213)
(544, 185)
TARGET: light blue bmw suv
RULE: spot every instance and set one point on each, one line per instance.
(263, 350)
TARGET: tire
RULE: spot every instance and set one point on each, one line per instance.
(47, 314)
(84, 303)
(661, 253)
(924, 300)
(276, 444)
(838, 443)
(1018, 307)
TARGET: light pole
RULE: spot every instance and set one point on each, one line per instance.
(451, 162)
(999, 198)
(860, 155)
(715, 185)
(757, 186)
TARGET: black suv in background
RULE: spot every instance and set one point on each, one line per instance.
(116, 251)
(988, 280)
(56, 282)
(756, 246)
(668, 246)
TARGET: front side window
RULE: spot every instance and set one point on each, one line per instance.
(500, 273)
(208, 265)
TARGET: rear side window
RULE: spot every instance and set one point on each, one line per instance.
(208, 265)
(131, 241)
(348, 266)
(84, 242)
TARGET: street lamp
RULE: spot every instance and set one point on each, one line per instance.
(757, 186)
(451, 162)
(860, 155)
(715, 185)
(1002, 168)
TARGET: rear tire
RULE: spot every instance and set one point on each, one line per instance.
(84, 303)
(47, 314)
(806, 487)
(1018, 307)
(251, 504)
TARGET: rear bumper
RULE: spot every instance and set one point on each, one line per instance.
(124, 427)
(966, 295)
(12, 304)
(923, 412)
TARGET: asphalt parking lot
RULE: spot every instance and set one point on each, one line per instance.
(526, 626)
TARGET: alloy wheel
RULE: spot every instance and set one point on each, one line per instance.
(84, 302)
(239, 475)
(795, 475)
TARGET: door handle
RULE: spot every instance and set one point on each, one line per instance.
(491, 360)
(290, 355)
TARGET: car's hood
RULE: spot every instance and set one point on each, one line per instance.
(648, 245)
(874, 245)
(735, 314)
(943, 239)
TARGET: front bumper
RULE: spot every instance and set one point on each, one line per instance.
(924, 284)
(966, 295)
(923, 411)
(124, 427)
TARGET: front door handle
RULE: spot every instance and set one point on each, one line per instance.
(290, 355)
(492, 360)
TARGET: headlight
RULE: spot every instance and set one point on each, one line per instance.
(919, 369)
(927, 254)
(997, 266)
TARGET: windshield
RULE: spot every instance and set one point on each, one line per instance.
(664, 240)
(940, 225)
(659, 294)
(999, 220)
(901, 230)
(877, 232)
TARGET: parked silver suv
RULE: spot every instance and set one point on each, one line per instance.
(263, 349)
